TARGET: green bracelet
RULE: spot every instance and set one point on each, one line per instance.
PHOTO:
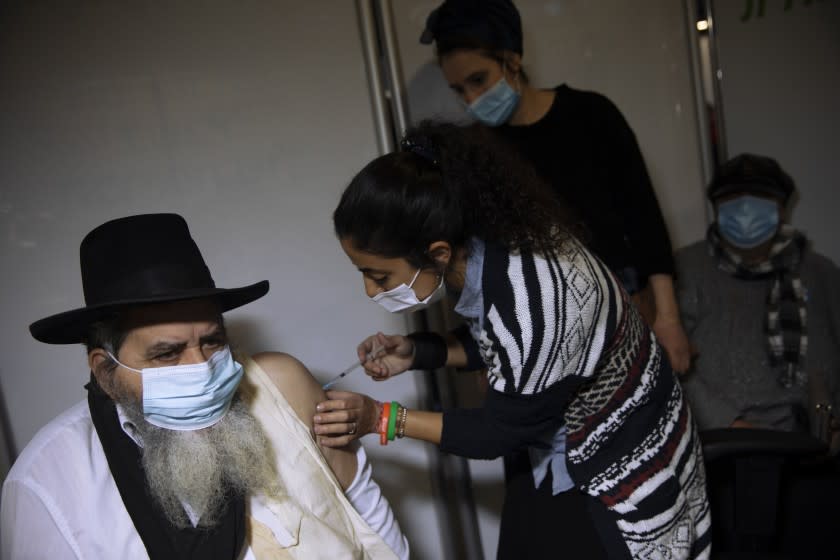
(392, 420)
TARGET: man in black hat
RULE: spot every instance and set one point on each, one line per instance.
(762, 310)
(184, 449)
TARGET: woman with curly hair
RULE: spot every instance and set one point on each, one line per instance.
(612, 467)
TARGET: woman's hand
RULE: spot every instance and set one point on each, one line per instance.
(673, 339)
(667, 324)
(386, 356)
(345, 416)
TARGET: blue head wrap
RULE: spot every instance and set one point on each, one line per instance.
(495, 23)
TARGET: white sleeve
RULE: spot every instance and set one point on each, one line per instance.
(29, 528)
(366, 497)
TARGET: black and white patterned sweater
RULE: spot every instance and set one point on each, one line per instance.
(562, 344)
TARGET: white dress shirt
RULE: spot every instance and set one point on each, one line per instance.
(60, 501)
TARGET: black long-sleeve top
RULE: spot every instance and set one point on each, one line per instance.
(584, 148)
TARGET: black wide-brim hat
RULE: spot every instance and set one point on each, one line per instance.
(137, 260)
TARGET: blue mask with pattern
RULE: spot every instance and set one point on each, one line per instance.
(747, 221)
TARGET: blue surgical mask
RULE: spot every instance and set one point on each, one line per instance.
(747, 221)
(192, 396)
(495, 106)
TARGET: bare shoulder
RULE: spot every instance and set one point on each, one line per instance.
(303, 392)
(294, 380)
(284, 369)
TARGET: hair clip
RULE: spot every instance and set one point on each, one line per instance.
(428, 35)
(424, 152)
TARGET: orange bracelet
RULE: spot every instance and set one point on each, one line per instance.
(383, 423)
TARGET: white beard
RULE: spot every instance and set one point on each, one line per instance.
(205, 468)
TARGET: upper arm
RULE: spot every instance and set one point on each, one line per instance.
(303, 392)
(631, 185)
(23, 514)
(621, 150)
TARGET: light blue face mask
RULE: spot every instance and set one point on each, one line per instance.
(495, 106)
(747, 221)
(189, 397)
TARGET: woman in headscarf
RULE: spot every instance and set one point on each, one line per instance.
(578, 141)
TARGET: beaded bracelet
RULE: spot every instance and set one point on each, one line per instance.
(391, 424)
(401, 422)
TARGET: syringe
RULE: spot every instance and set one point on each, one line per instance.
(351, 368)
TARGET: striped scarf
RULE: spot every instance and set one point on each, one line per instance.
(786, 314)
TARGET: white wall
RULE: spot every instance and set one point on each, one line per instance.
(248, 118)
(636, 53)
(780, 88)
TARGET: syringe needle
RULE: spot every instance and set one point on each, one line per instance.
(355, 365)
(338, 377)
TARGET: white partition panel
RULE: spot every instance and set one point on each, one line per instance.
(636, 53)
(248, 118)
(780, 85)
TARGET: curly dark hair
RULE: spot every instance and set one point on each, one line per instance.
(450, 183)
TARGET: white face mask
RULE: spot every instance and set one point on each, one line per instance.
(402, 299)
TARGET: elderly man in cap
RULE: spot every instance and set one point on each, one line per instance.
(183, 449)
(762, 309)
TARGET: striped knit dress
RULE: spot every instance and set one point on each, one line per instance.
(563, 345)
